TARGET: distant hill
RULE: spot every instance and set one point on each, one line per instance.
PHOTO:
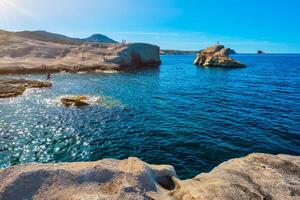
(99, 38)
(53, 37)
(45, 36)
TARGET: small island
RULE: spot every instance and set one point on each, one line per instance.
(216, 56)
(260, 52)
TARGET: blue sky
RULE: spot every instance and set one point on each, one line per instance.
(245, 25)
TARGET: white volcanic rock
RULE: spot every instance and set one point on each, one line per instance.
(20, 54)
(216, 56)
(257, 176)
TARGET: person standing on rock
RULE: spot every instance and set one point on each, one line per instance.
(48, 76)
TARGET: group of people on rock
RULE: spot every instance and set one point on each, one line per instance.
(76, 68)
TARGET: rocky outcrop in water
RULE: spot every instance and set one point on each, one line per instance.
(14, 87)
(260, 52)
(216, 56)
(257, 176)
(26, 52)
(74, 101)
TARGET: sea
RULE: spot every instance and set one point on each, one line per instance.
(190, 117)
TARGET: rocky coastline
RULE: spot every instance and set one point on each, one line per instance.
(26, 53)
(257, 176)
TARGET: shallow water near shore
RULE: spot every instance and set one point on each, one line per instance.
(178, 114)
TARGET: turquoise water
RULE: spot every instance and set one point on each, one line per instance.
(193, 118)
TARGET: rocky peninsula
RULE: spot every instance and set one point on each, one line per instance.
(25, 52)
(216, 56)
(257, 176)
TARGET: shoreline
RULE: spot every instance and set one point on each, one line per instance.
(69, 69)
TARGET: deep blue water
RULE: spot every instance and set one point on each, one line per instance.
(193, 118)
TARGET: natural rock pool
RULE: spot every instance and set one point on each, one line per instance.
(192, 118)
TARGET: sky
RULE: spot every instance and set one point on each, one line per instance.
(244, 25)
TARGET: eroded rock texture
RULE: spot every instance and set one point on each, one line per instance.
(216, 56)
(257, 176)
(26, 53)
(10, 87)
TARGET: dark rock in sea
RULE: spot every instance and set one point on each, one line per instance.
(216, 56)
(260, 52)
(15, 87)
(257, 177)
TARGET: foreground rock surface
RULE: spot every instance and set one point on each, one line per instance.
(216, 56)
(257, 176)
(25, 53)
(14, 87)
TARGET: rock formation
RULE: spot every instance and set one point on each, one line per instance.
(257, 176)
(260, 52)
(25, 52)
(74, 101)
(13, 87)
(216, 56)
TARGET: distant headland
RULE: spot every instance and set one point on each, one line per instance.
(177, 52)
